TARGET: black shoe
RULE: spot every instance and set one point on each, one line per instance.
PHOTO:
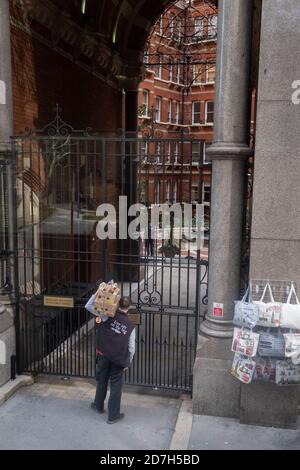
(112, 421)
(94, 407)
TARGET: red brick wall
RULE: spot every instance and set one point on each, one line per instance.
(43, 77)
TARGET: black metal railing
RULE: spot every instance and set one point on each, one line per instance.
(61, 179)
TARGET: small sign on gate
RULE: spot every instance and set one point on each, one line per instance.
(135, 318)
(62, 302)
(218, 310)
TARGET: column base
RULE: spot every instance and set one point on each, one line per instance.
(215, 391)
(217, 329)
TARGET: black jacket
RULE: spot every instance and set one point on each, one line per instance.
(112, 339)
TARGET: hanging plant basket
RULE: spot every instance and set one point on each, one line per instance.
(169, 250)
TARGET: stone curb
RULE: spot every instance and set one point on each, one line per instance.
(11, 387)
(183, 428)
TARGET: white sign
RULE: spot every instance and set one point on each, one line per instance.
(218, 310)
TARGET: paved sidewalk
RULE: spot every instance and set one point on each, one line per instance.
(209, 433)
(54, 414)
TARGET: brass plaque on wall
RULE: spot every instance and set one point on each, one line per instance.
(135, 318)
(65, 302)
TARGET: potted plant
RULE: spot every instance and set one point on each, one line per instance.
(169, 249)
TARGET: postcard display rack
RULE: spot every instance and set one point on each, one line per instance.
(266, 338)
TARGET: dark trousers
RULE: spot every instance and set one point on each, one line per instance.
(106, 372)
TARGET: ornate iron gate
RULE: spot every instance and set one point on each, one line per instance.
(62, 177)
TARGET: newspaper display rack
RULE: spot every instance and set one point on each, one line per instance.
(267, 350)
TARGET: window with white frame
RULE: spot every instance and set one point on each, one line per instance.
(178, 75)
(171, 70)
(161, 25)
(176, 152)
(179, 27)
(196, 112)
(212, 26)
(206, 194)
(199, 73)
(170, 106)
(146, 58)
(210, 73)
(177, 111)
(172, 24)
(174, 192)
(199, 31)
(144, 149)
(158, 102)
(145, 106)
(205, 159)
(158, 71)
(196, 153)
(158, 151)
(209, 112)
(169, 152)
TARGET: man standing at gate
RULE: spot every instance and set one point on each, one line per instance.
(115, 349)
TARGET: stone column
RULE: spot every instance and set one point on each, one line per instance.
(215, 392)
(7, 330)
(228, 154)
(275, 238)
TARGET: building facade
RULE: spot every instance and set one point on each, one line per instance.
(176, 100)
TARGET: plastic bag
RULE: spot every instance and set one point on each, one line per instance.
(269, 312)
(246, 313)
(292, 347)
(265, 369)
(287, 373)
(290, 315)
(271, 344)
(243, 368)
(245, 342)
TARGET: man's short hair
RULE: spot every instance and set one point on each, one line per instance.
(125, 303)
